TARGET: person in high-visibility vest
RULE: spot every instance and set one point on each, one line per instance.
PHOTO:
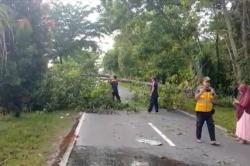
(204, 96)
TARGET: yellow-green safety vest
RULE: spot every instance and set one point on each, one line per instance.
(204, 103)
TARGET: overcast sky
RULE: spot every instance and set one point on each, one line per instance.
(86, 2)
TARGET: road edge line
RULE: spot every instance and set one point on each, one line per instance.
(162, 135)
(66, 155)
(193, 116)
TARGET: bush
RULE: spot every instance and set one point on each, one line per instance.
(141, 94)
(64, 86)
(172, 96)
(67, 86)
(224, 101)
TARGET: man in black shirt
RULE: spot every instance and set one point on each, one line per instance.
(154, 95)
(115, 92)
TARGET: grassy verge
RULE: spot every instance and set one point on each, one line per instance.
(30, 139)
(224, 116)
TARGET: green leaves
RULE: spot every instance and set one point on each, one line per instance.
(73, 31)
(64, 86)
(179, 38)
(23, 59)
(152, 41)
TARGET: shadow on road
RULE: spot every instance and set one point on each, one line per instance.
(92, 156)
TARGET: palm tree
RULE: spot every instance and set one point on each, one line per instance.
(6, 34)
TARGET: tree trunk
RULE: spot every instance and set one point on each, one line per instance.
(218, 57)
(243, 29)
(217, 51)
(232, 42)
(199, 65)
(3, 53)
(60, 58)
(232, 60)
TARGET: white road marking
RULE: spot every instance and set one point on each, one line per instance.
(193, 116)
(77, 131)
(162, 135)
(186, 113)
(66, 155)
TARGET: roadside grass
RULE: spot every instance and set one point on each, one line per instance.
(30, 139)
(141, 94)
(224, 115)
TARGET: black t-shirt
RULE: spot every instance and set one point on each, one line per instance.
(114, 84)
(155, 86)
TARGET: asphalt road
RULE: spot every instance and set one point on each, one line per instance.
(111, 140)
(125, 94)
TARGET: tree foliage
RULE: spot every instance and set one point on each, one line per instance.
(73, 30)
(177, 41)
(154, 38)
(66, 86)
(26, 61)
(186, 39)
(42, 33)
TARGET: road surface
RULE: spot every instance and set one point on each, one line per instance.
(125, 94)
(111, 140)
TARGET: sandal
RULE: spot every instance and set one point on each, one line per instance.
(214, 143)
(237, 139)
(199, 141)
(243, 142)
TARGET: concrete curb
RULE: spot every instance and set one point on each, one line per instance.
(66, 155)
(193, 116)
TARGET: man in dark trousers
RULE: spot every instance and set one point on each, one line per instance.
(153, 95)
(114, 85)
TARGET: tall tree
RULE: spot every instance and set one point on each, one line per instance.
(154, 38)
(27, 60)
(73, 30)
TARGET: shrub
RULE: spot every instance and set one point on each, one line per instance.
(65, 86)
(172, 96)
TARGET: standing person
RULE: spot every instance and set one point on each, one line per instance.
(243, 114)
(115, 92)
(235, 91)
(153, 95)
(204, 110)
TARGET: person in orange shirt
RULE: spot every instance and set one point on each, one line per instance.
(204, 96)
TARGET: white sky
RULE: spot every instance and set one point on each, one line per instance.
(86, 2)
(105, 43)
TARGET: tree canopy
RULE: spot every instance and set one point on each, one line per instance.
(32, 34)
(186, 39)
(177, 41)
